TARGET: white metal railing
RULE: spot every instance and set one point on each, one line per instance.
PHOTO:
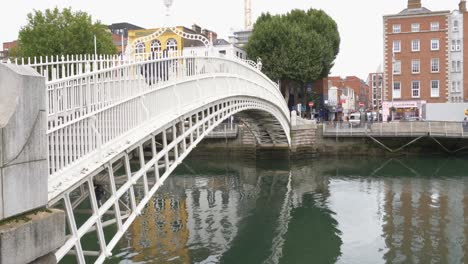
(56, 67)
(96, 106)
(397, 129)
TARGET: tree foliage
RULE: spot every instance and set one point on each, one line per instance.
(296, 48)
(55, 32)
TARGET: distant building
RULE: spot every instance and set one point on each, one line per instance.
(375, 83)
(122, 29)
(342, 96)
(7, 46)
(240, 38)
(169, 40)
(220, 46)
(424, 59)
(120, 34)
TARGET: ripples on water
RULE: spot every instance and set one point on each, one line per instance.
(225, 210)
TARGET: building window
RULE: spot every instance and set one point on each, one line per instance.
(415, 66)
(456, 86)
(415, 27)
(458, 45)
(415, 45)
(435, 65)
(456, 66)
(140, 47)
(434, 26)
(434, 88)
(452, 47)
(397, 67)
(155, 46)
(171, 45)
(396, 28)
(434, 44)
(396, 46)
(455, 25)
(415, 89)
(396, 90)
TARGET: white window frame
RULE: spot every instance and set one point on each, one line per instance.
(415, 66)
(396, 92)
(459, 66)
(397, 44)
(435, 88)
(155, 46)
(452, 47)
(455, 26)
(458, 45)
(435, 65)
(171, 44)
(140, 48)
(434, 26)
(415, 27)
(397, 67)
(415, 90)
(435, 45)
(415, 45)
(397, 28)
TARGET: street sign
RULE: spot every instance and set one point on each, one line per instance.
(361, 104)
(311, 104)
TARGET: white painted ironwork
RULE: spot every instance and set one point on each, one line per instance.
(115, 134)
(56, 67)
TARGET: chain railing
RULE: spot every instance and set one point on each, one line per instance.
(396, 129)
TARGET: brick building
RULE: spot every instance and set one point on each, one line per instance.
(375, 83)
(342, 96)
(423, 58)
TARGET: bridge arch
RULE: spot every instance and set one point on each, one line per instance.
(102, 120)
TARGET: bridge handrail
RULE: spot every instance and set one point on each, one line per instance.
(56, 67)
(396, 129)
(56, 87)
(74, 102)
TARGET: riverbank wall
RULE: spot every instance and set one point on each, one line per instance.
(307, 140)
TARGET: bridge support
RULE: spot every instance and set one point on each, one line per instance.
(27, 231)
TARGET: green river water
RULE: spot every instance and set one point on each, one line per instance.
(272, 210)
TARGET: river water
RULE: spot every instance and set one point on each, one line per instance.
(271, 210)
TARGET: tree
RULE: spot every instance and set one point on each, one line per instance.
(55, 32)
(295, 48)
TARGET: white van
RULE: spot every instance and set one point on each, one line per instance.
(355, 119)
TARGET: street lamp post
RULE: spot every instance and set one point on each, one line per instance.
(393, 84)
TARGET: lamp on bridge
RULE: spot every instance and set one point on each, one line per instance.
(168, 4)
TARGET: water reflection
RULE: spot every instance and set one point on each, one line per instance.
(224, 210)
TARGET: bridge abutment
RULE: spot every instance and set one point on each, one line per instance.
(25, 234)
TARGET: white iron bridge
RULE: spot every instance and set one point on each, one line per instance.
(117, 129)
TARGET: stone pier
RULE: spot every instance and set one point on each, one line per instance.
(28, 231)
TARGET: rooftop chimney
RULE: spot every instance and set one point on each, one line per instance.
(462, 6)
(412, 4)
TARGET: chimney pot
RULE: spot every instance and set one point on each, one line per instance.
(412, 4)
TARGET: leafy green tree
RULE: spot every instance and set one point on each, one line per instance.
(55, 32)
(296, 48)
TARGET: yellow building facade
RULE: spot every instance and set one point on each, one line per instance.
(168, 40)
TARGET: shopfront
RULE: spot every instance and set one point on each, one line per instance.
(403, 110)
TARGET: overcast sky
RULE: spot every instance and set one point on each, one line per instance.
(359, 21)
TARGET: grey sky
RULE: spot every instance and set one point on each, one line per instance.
(359, 21)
